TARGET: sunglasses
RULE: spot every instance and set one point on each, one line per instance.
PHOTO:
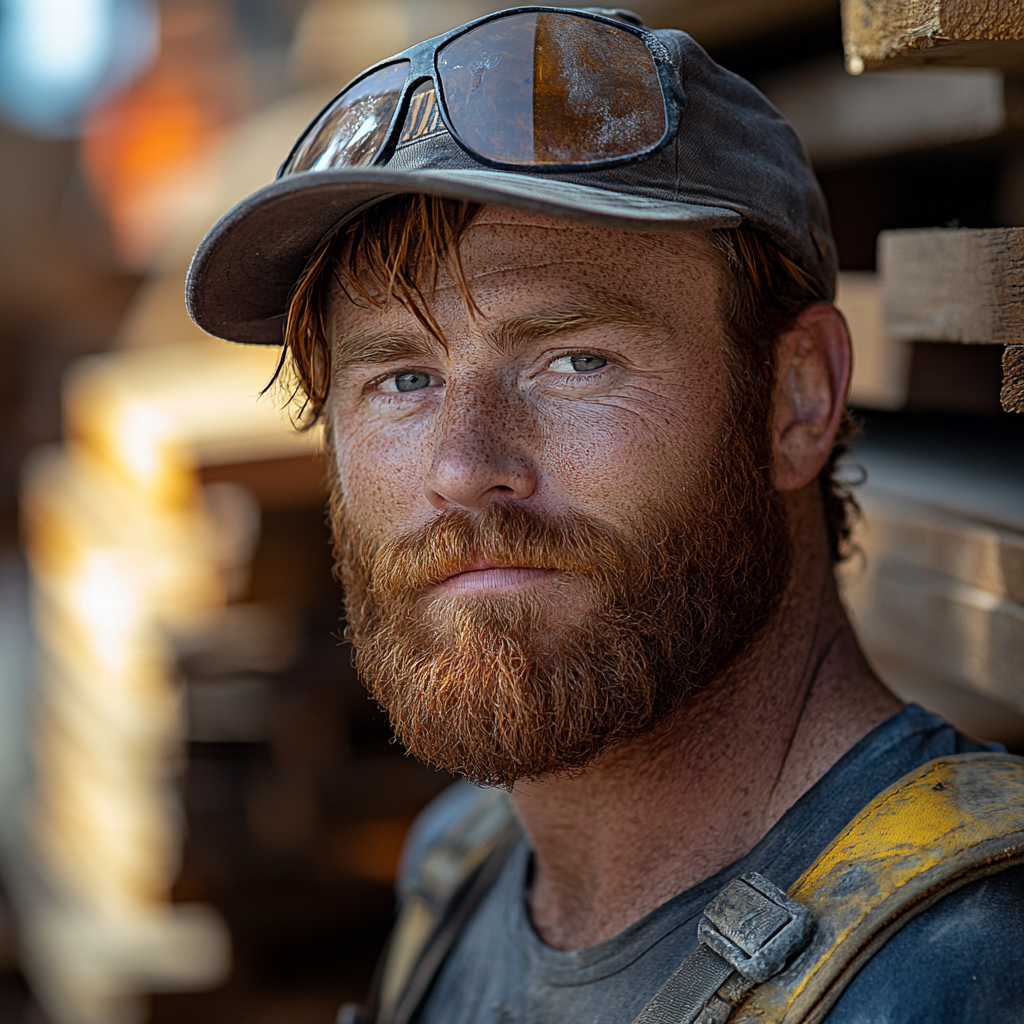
(537, 87)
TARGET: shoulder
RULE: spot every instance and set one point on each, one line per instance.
(432, 824)
(959, 961)
(449, 837)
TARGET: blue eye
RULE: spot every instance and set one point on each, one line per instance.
(411, 381)
(584, 363)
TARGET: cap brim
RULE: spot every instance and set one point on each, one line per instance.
(244, 270)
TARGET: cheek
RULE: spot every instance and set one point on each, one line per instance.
(644, 445)
(380, 475)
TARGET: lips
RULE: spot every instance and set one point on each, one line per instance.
(479, 565)
(483, 574)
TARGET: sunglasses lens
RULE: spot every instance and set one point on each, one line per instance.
(352, 130)
(551, 88)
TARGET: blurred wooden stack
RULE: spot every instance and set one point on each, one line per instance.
(938, 596)
(130, 559)
(937, 591)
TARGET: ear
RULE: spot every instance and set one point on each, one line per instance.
(813, 373)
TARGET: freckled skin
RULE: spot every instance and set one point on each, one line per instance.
(493, 424)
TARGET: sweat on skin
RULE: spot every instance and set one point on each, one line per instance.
(590, 378)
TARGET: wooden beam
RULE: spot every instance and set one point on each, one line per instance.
(841, 118)
(961, 285)
(951, 629)
(880, 366)
(968, 33)
(936, 540)
(939, 593)
(953, 284)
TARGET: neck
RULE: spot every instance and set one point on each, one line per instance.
(659, 815)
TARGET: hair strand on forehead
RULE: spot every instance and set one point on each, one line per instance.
(395, 249)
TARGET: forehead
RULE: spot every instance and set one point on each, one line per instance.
(500, 236)
(515, 259)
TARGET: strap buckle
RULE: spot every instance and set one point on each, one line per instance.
(747, 933)
(754, 926)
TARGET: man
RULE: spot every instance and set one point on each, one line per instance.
(569, 330)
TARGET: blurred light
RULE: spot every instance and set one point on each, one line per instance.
(107, 605)
(142, 151)
(62, 41)
(57, 57)
(142, 437)
(147, 148)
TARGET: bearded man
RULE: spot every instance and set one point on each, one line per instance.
(559, 288)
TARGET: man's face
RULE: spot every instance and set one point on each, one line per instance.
(551, 529)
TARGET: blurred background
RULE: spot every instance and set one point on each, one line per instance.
(200, 811)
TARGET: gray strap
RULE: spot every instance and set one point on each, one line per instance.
(747, 932)
(686, 994)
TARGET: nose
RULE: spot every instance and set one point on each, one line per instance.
(481, 450)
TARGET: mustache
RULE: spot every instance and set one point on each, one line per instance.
(573, 543)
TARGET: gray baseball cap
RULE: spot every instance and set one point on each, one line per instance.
(731, 159)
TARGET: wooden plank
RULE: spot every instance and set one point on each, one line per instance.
(972, 713)
(939, 541)
(968, 33)
(951, 629)
(953, 284)
(880, 366)
(1012, 395)
(939, 594)
(841, 118)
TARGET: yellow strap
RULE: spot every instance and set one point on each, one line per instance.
(947, 823)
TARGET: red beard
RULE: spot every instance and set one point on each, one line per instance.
(502, 688)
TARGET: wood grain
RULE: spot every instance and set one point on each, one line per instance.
(953, 284)
(1012, 395)
(969, 33)
(934, 539)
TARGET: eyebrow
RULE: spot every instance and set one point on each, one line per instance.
(602, 310)
(365, 347)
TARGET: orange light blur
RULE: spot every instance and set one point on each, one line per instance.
(143, 148)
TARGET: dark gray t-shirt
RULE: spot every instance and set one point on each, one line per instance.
(963, 960)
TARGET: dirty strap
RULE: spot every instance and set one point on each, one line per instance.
(949, 822)
(748, 932)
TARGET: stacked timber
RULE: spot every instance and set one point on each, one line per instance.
(958, 286)
(936, 590)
